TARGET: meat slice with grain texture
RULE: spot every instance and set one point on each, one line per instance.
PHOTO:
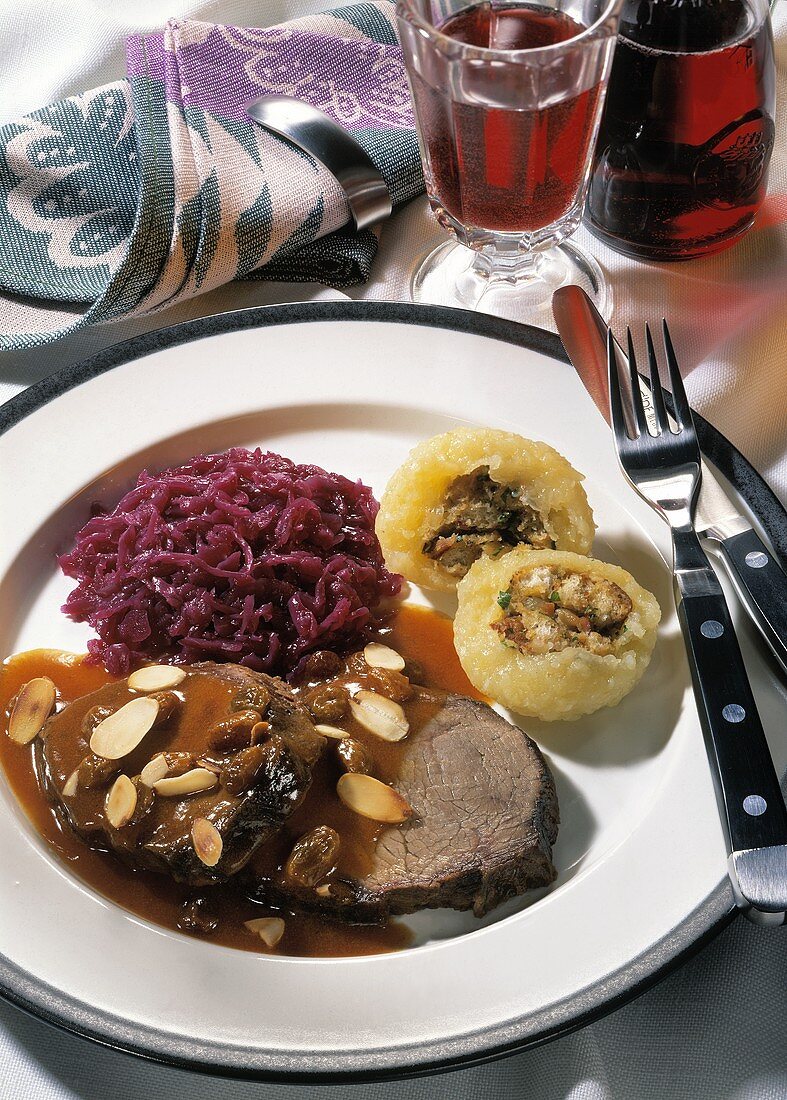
(485, 819)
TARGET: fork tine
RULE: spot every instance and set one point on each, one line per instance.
(636, 394)
(679, 400)
(659, 408)
(615, 399)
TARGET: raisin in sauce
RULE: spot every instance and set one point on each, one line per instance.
(421, 635)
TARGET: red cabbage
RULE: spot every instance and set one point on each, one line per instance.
(243, 556)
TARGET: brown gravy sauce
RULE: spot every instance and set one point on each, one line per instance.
(420, 634)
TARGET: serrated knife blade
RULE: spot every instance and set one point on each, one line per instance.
(757, 576)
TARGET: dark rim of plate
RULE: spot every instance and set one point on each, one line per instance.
(57, 1008)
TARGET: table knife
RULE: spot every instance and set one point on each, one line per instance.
(758, 578)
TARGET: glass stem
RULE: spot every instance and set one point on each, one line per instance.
(509, 265)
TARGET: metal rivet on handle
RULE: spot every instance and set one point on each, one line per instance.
(733, 713)
(755, 559)
(711, 629)
(754, 805)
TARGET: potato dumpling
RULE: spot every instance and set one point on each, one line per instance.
(478, 492)
(553, 635)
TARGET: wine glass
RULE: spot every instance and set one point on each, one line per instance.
(507, 100)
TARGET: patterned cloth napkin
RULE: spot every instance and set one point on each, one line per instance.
(135, 195)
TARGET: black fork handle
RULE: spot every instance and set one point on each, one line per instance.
(747, 787)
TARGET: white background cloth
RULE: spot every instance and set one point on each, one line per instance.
(717, 1028)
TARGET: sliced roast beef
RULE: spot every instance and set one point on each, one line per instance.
(484, 809)
(485, 819)
(240, 739)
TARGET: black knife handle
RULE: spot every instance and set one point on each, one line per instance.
(747, 786)
(761, 585)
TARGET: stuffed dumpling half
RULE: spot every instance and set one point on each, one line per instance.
(479, 492)
(554, 635)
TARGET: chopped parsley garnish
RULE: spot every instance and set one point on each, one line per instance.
(554, 597)
(504, 599)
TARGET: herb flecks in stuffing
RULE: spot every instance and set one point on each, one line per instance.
(550, 610)
(481, 516)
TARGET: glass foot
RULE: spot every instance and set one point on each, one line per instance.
(452, 275)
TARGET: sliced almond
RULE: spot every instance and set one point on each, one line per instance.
(120, 802)
(155, 769)
(165, 764)
(156, 678)
(70, 785)
(382, 656)
(380, 716)
(371, 798)
(198, 779)
(207, 841)
(34, 703)
(269, 929)
(331, 731)
(121, 732)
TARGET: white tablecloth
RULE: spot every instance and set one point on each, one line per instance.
(717, 1028)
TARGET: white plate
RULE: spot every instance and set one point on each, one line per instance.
(640, 852)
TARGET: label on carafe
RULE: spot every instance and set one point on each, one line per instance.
(730, 172)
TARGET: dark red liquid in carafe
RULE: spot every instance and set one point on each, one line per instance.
(680, 166)
(507, 170)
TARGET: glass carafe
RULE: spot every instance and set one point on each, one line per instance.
(681, 161)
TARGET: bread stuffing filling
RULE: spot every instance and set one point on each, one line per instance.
(547, 610)
(481, 516)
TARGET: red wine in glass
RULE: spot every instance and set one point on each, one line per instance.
(495, 168)
(680, 165)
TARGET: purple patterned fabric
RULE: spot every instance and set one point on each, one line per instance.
(358, 82)
(142, 193)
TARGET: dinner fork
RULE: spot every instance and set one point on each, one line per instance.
(664, 468)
